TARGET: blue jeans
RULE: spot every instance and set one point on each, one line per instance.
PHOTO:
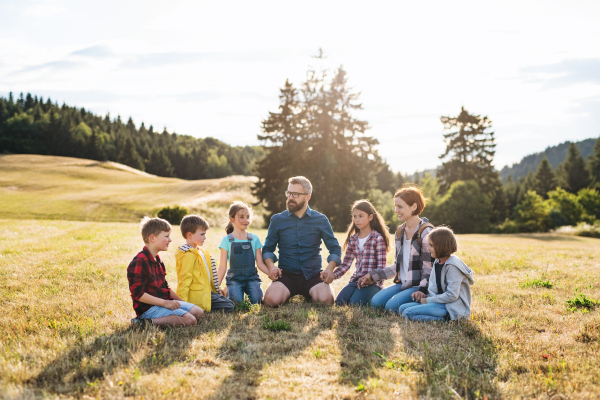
(424, 312)
(393, 297)
(351, 294)
(251, 288)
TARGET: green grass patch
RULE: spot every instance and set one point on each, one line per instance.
(537, 283)
(276, 326)
(580, 302)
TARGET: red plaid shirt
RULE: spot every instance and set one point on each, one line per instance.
(147, 275)
(373, 256)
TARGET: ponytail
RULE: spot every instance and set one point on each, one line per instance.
(233, 210)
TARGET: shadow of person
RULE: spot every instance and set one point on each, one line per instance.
(268, 343)
(148, 349)
(453, 358)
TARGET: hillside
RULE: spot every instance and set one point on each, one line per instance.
(555, 155)
(49, 187)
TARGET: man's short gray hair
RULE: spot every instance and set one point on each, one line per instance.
(300, 180)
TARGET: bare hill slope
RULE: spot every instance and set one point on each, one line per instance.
(49, 187)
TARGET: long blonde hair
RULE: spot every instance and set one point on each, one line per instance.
(233, 210)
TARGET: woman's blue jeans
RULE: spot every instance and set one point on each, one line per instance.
(424, 312)
(393, 297)
(351, 294)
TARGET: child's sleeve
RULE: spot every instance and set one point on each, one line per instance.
(184, 275)
(454, 278)
(256, 243)
(225, 244)
(137, 272)
(348, 259)
(381, 251)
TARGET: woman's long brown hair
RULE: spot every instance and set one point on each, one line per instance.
(377, 223)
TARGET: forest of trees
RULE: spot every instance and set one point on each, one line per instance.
(32, 125)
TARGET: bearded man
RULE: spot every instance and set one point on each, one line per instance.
(298, 232)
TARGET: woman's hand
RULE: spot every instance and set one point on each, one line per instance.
(424, 300)
(365, 280)
(417, 296)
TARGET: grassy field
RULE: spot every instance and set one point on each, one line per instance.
(64, 328)
(63, 188)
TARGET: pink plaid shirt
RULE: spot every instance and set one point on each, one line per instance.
(373, 256)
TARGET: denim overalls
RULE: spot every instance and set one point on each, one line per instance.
(242, 276)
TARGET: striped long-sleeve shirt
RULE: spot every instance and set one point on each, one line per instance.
(372, 257)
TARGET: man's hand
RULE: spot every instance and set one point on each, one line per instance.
(171, 304)
(365, 280)
(274, 274)
(417, 296)
(327, 276)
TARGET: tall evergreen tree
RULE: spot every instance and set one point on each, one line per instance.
(129, 156)
(575, 174)
(594, 163)
(315, 134)
(544, 178)
(469, 152)
(159, 164)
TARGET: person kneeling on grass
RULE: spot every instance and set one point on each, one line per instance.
(449, 294)
(153, 300)
(197, 282)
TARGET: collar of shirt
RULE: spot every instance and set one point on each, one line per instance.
(149, 255)
(308, 212)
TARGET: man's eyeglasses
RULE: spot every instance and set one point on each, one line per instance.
(293, 194)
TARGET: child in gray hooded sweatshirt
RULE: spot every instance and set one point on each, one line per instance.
(449, 284)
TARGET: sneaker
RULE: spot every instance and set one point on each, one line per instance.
(140, 323)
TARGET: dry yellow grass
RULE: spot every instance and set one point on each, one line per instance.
(48, 187)
(65, 310)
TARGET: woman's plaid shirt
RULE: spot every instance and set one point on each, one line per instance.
(373, 256)
(147, 275)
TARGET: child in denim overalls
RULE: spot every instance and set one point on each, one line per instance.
(242, 250)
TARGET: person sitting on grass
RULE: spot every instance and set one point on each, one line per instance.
(413, 259)
(449, 285)
(298, 232)
(197, 282)
(153, 301)
(367, 242)
(242, 249)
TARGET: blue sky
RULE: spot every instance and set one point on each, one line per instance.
(215, 68)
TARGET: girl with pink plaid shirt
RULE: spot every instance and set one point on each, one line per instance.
(367, 242)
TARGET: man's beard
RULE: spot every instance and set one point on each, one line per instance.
(295, 206)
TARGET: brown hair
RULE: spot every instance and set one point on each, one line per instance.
(300, 180)
(377, 223)
(444, 241)
(153, 226)
(191, 223)
(233, 210)
(412, 195)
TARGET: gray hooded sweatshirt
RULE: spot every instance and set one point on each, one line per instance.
(456, 281)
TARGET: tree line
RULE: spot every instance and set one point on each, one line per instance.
(32, 125)
(315, 133)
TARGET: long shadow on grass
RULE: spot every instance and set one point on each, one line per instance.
(453, 358)
(249, 347)
(149, 350)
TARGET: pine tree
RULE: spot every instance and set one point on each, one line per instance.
(129, 156)
(469, 152)
(159, 164)
(594, 164)
(315, 134)
(575, 174)
(544, 178)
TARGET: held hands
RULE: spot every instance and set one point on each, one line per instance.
(171, 304)
(365, 280)
(424, 300)
(224, 292)
(327, 276)
(418, 296)
(274, 274)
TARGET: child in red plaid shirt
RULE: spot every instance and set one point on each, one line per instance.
(367, 241)
(153, 301)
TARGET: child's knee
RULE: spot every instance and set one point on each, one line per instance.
(197, 312)
(188, 319)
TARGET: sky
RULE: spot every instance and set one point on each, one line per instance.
(215, 68)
